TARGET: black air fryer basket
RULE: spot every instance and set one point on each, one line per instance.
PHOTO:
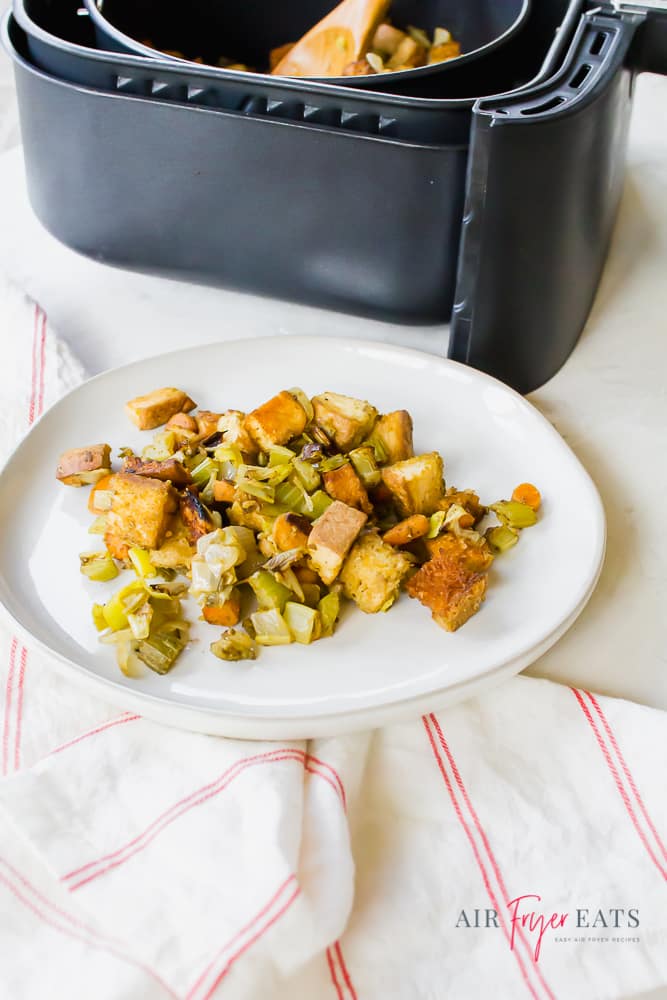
(494, 211)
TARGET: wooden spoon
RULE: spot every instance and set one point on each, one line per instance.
(340, 38)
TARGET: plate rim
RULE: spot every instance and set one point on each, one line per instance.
(261, 724)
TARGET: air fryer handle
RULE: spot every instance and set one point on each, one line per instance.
(545, 177)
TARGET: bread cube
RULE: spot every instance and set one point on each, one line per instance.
(416, 484)
(231, 425)
(140, 510)
(84, 466)
(331, 538)
(345, 485)
(450, 588)
(194, 515)
(176, 552)
(277, 421)
(476, 558)
(373, 572)
(157, 407)
(346, 421)
(394, 432)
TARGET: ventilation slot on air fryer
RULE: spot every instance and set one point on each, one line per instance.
(547, 106)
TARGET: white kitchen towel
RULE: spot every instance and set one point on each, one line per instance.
(511, 846)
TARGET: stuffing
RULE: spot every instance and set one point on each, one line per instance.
(331, 538)
(226, 614)
(346, 421)
(277, 421)
(291, 531)
(477, 558)
(416, 484)
(373, 572)
(345, 485)
(84, 466)
(182, 422)
(170, 470)
(394, 432)
(231, 425)
(224, 491)
(195, 516)
(407, 531)
(157, 407)
(176, 552)
(140, 510)
(450, 586)
(467, 499)
(207, 422)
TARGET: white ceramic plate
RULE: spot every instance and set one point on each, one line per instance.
(376, 668)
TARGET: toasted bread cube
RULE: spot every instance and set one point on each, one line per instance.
(452, 590)
(157, 407)
(195, 516)
(373, 572)
(416, 484)
(476, 558)
(291, 531)
(277, 421)
(441, 53)
(207, 422)
(408, 55)
(140, 510)
(346, 421)
(407, 531)
(231, 425)
(331, 538)
(386, 40)
(394, 431)
(171, 470)
(344, 484)
(84, 466)
(176, 552)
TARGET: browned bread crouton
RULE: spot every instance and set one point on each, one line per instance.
(84, 466)
(276, 421)
(394, 431)
(291, 531)
(195, 516)
(140, 509)
(331, 538)
(344, 484)
(176, 552)
(416, 484)
(207, 422)
(373, 572)
(231, 425)
(170, 470)
(407, 531)
(477, 558)
(346, 421)
(450, 588)
(157, 407)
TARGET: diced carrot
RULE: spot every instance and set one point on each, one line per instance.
(528, 494)
(226, 614)
(223, 491)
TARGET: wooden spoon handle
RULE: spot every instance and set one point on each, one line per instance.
(342, 37)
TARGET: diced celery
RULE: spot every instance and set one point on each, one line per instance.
(99, 526)
(311, 594)
(514, 514)
(160, 650)
(234, 645)
(321, 501)
(301, 621)
(270, 593)
(228, 453)
(202, 473)
(254, 489)
(99, 620)
(141, 561)
(419, 36)
(280, 456)
(303, 401)
(436, 522)
(441, 36)
(98, 566)
(271, 628)
(335, 462)
(329, 608)
(309, 476)
(122, 603)
(501, 538)
(161, 447)
(378, 447)
(365, 465)
(294, 497)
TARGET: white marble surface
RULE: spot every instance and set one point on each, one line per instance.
(609, 401)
